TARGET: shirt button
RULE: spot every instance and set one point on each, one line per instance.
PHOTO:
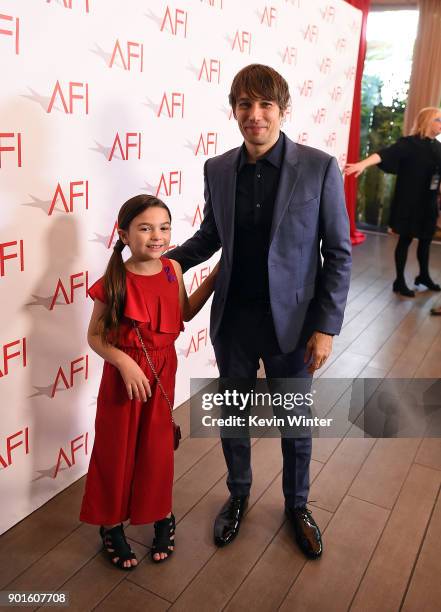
(258, 176)
(258, 205)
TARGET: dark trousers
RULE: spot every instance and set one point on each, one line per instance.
(422, 256)
(246, 335)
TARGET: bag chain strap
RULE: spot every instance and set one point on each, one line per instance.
(154, 371)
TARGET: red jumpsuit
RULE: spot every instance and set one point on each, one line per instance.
(131, 468)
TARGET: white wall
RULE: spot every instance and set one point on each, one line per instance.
(58, 138)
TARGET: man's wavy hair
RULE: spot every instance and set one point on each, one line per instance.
(260, 82)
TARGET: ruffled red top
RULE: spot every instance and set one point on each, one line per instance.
(153, 300)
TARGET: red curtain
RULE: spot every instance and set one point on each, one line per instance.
(357, 237)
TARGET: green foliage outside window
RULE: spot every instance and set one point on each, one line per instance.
(381, 126)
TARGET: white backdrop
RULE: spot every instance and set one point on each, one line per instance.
(101, 100)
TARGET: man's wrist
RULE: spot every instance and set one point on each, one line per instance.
(319, 331)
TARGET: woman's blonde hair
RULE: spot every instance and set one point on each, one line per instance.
(421, 126)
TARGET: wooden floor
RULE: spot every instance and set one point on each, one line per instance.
(377, 501)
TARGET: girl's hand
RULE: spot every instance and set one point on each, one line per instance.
(136, 382)
(356, 169)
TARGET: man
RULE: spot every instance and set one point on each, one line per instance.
(271, 204)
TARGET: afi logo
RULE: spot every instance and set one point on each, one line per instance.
(290, 56)
(197, 216)
(72, 286)
(326, 65)
(331, 140)
(307, 88)
(204, 144)
(198, 278)
(13, 22)
(328, 14)
(288, 113)
(242, 40)
(302, 138)
(197, 341)
(218, 3)
(311, 33)
(18, 253)
(11, 147)
(20, 351)
(133, 50)
(82, 93)
(269, 15)
(74, 369)
(336, 93)
(170, 182)
(68, 4)
(342, 160)
(350, 73)
(129, 144)
(74, 446)
(320, 115)
(175, 22)
(340, 45)
(345, 118)
(171, 102)
(23, 440)
(68, 203)
(208, 69)
(113, 234)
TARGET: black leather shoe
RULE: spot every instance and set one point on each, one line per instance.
(227, 523)
(402, 289)
(428, 282)
(308, 534)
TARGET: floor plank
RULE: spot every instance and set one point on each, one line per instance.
(383, 473)
(334, 577)
(270, 579)
(334, 480)
(224, 572)
(424, 592)
(398, 546)
(130, 596)
(194, 534)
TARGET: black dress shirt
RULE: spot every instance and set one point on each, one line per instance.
(256, 189)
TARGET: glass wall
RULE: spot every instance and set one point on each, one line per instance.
(390, 40)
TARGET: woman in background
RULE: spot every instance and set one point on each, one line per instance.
(416, 160)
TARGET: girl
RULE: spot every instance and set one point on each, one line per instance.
(416, 160)
(131, 468)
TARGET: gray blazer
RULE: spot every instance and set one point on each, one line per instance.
(309, 217)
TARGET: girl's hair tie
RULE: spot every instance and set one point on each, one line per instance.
(119, 245)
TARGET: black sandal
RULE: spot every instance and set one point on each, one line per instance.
(164, 538)
(115, 539)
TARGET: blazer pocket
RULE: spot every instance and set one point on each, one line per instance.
(294, 206)
(305, 293)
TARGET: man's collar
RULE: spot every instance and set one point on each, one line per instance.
(274, 156)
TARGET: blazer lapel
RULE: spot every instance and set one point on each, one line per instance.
(226, 195)
(289, 175)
